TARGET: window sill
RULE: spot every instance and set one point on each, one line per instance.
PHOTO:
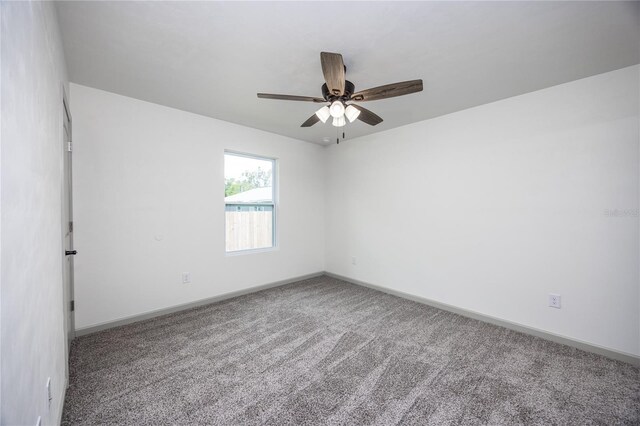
(250, 251)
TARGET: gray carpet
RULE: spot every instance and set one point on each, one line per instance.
(323, 351)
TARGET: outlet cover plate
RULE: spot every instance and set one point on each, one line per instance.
(554, 300)
(49, 397)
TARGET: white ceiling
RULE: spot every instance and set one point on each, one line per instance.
(211, 58)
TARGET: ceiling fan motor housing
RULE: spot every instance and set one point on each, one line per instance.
(349, 89)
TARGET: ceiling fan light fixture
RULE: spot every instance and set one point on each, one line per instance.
(337, 110)
(323, 114)
(351, 113)
(339, 121)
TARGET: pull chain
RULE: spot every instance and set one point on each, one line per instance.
(338, 137)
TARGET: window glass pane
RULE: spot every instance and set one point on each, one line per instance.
(248, 179)
(249, 202)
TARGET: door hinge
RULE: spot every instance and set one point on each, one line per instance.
(69, 146)
(70, 226)
(73, 305)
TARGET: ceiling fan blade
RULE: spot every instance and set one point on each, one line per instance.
(311, 121)
(333, 70)
(388, 91)
(290, 97)
(367, 116)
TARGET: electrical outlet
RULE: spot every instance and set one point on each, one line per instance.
(49, 393)
(554, 300)
(353, 260)
(186, 277)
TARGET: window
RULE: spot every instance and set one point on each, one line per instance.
(249, 188)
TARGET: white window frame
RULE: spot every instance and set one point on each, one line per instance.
(274, 192)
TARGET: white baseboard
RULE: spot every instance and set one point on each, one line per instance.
(169, 310)
(579, 344)
(62, 397)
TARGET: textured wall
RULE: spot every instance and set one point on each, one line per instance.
(149, 205)
(33, 340)
(492, 208)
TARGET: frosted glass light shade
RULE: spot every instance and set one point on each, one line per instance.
(337, 109)
(352, 113)
(323, 114)
(339, 121)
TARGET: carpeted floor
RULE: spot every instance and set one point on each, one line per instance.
(323, 351)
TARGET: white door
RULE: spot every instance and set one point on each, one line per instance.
(67, 227)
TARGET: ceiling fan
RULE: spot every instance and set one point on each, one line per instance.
(340, 94)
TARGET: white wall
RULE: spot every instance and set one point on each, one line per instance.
(143, 173)
(33, 339)
(492, 208)
(488, 209)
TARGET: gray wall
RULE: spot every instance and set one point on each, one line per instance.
(33, 340)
